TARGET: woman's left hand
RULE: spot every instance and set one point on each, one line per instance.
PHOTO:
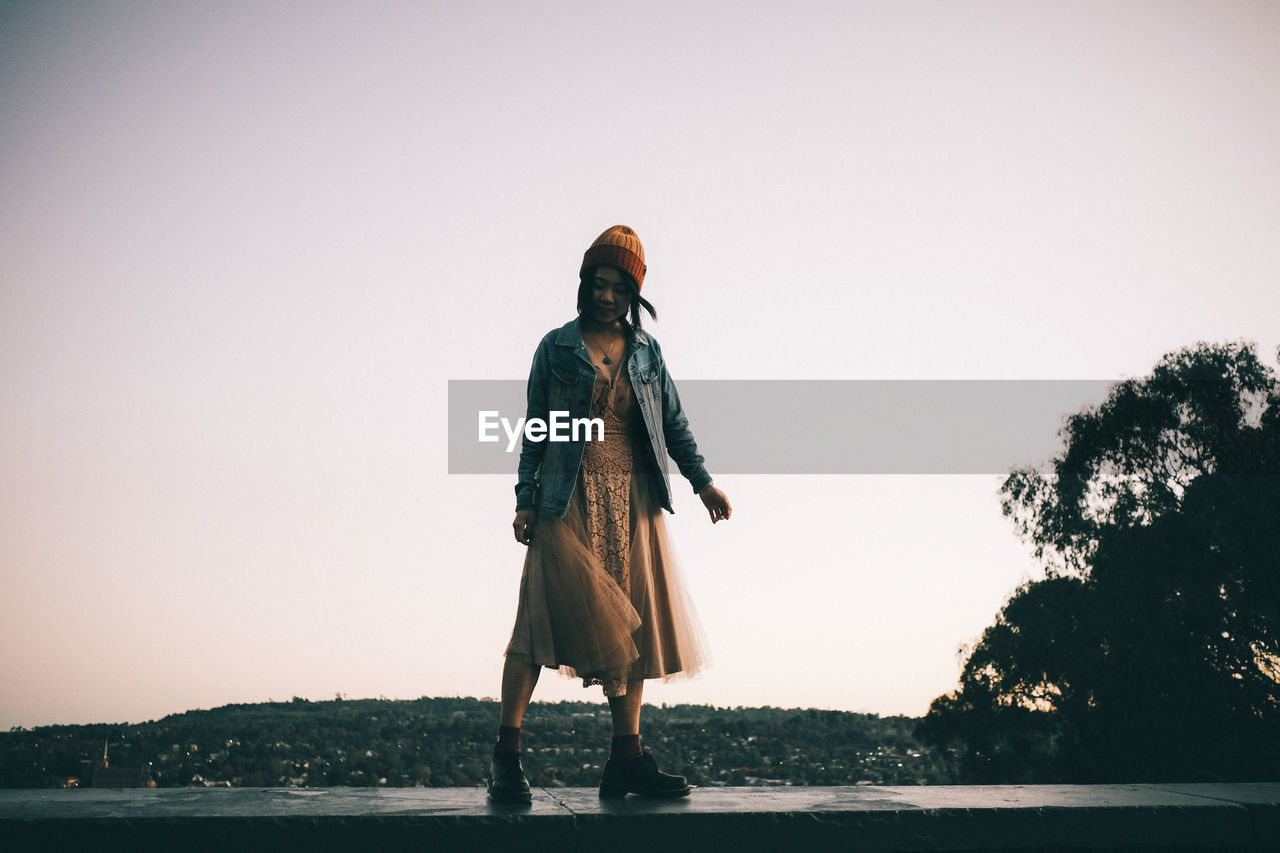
(716, 502)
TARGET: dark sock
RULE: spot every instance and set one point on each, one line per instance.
(625, 748)
(508, 739)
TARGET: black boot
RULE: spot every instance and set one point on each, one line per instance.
(507, 782)
(640, 776)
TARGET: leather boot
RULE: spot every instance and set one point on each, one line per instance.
(507, 782)
(641, 776)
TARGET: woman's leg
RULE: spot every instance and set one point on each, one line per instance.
(507, 782)
(630, 770)
(518, 680)
(626, 710)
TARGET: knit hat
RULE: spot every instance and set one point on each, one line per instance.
(618, 247)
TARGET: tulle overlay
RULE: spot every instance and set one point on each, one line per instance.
(602, 597)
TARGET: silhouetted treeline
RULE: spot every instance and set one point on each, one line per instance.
(1150, 651)
(447, 742)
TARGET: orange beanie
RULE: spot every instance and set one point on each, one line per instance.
(620, 248)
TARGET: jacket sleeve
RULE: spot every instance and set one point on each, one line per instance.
(531, 452)
(675, 429)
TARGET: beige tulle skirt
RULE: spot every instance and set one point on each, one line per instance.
(602, 597)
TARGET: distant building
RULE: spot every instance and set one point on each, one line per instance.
(106, 776)
(120, 777)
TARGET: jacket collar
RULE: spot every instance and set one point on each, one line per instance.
(570, 335)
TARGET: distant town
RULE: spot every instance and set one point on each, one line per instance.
(446, 742)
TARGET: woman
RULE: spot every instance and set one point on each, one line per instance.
(601, 596)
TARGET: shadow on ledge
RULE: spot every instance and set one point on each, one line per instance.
(1035, 817)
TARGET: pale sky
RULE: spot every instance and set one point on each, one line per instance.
(244, 247)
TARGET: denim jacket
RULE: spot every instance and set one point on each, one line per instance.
(562, 379)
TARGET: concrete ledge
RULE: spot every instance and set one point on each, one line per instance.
(1227, 817)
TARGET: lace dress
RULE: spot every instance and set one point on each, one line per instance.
(602, 597)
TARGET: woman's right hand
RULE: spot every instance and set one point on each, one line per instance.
(525, 520)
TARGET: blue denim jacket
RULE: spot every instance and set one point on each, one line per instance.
(562, 379)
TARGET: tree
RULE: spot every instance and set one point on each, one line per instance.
(1149, 651)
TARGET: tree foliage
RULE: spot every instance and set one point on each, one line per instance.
(1149, 651)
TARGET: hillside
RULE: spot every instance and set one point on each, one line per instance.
(447, 741)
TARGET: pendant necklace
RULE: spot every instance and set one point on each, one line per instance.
(608, 389)
(608, 360)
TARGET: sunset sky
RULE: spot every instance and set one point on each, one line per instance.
(244, 246)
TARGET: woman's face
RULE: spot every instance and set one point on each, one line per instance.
(610, 296)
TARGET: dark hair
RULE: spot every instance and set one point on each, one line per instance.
(587, 281)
